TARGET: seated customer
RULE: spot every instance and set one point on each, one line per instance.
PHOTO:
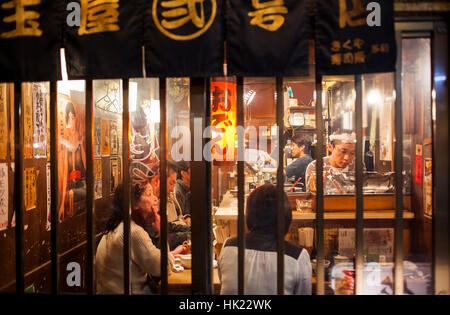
(261, 251)
(182, 189)
(178, 230)
(144, 258)
(338, 168)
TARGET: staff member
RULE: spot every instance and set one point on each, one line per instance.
(301, 147)
(338, 168)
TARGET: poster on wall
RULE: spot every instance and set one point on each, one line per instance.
(113, 138)
(105, 138)
(27, 121)
(144, 144)
(3, 122)
(98, 187)
(377, 242)
(71, 158)
(97, 137)
(115, 173)
(30, 188)
(39, 120)
(48, 226)
(110, 96)
(428, 187)
(4, 196)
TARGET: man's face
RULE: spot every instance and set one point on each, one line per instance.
(296, 150)
(342, 154)
(171, 181)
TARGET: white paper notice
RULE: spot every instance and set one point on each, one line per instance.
(3, 196)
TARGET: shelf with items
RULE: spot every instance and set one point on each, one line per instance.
(309, 108)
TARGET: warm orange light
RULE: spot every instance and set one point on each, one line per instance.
(223, 120)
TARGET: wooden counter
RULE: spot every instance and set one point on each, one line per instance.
(180, 282)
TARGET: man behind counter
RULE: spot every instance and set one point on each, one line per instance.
(300, 147)
(338, 168)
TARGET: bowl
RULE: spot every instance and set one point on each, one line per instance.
(186, 261)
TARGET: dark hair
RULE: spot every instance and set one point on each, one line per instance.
(171, 165)
(301, 140)
(116, 208)
(183, 166)
(69, 109)
(262, 208)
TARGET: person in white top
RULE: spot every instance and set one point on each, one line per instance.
(338, 168)
(261, 251)
(144, 256)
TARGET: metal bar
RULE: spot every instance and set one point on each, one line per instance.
(320, 272)
(126, 187)
(241, 189)
(280, 188)
(90, 233)
(18, 186)
(163, 184)
(201, 223)
(359, 261)
(208, 200)
(441, 263)
(54, 186)
(398, 168)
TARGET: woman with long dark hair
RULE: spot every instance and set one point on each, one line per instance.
(145, 256)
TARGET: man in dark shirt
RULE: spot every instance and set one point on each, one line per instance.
(301, 147)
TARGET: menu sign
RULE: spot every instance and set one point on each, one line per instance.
(355, 36)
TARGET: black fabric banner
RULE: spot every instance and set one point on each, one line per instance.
(108, 42)
(30, 38)
(184, 38)
(267, 38)
(346, 44)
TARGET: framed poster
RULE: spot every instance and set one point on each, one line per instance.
(377, 241)
(115, 173)
(71, 158)
(98, 185)
(105, 138)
